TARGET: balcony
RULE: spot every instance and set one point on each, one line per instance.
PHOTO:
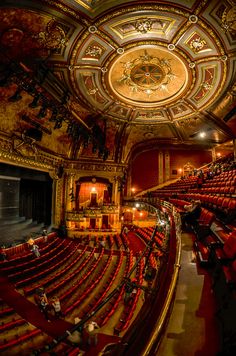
(91, 212)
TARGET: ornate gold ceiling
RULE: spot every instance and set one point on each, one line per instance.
(157, 73)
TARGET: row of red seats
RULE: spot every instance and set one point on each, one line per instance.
(65, 281)
(19, 339)
(46, 271)
(52, 278)
(36, 264)
(146, 234)
(102, 295)
(12, 324)
(21, 251)
(87, 273)
(224, 205)
(125, 240)
(111, 308)
(87, 288)
(129, 309)
(19, 264)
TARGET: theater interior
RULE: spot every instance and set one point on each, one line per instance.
(115, 117)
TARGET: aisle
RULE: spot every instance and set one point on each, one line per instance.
(135, 243)
(29, 311)
(193, 328)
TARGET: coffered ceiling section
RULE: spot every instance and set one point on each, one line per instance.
(153, 70)
(151, 63)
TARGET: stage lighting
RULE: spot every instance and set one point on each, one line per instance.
(58, 123)
(35, 101)
(15, 97)
(42, 112)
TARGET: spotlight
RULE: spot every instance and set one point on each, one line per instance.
(54, 115)
(58, 123)
(35, 101)
(15, 97)
(42, 112)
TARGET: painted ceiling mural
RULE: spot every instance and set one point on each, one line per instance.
(99, 79)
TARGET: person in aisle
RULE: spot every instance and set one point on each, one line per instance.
(57, 306)
(42, 301)
(76, 337)
(91, 330)
(35, 250)
(193, 212)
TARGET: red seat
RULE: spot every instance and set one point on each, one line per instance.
(230, 273)
(228, 252)
(219, 202)
(225, 203)
(232, 205)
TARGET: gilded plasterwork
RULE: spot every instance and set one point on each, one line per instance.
(148, 75)
(158, 25)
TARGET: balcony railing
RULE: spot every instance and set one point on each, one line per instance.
(91, 212)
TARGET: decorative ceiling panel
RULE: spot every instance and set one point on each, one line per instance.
(147, 24)
(147, 69)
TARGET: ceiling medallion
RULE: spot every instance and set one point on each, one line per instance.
(120, 50)
(147, 74)
(171, 47)
(92, 29)
(224, 58)
(193, 19)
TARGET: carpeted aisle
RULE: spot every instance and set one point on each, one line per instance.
(29, 311)
(135, 243)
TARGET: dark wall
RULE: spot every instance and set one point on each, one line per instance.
(32, 196)
(145, 166)
(9, 198)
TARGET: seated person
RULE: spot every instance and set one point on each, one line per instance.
(193, 213)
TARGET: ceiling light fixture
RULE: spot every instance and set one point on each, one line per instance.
(202, 134)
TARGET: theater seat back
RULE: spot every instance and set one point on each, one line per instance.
(230, 246)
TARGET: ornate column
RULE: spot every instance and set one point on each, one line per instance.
(70, 191)
(69, 194)
(160, 167)
(234, 147)
(129, 185)
(167, 165)
(213, 154)
(57, 199)
(116, 196)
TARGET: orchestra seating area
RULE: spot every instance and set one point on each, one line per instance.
(82, 273)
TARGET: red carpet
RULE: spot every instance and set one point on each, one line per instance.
(29, 311)
(135, 243)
